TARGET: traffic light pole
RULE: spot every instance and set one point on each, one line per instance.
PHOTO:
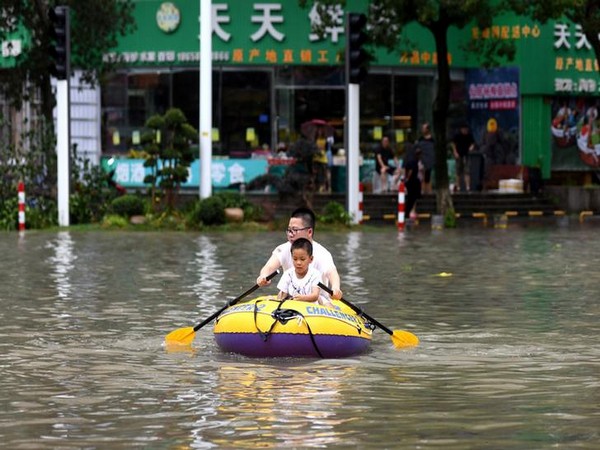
(61, 55)
(353, 149)
(205, 99)
(355, 73)
(62, 150)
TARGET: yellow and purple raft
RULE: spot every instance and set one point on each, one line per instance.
(266, 327)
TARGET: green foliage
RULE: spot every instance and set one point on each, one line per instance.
(96, 26)
(168, 146)
(169, 220)
(252, 212)
(41, 213)
(450, 218)
(211, 211)
(114, 221)
(128, 205)
(208, 211)
(334, 213)
(90, 191)
(9, 209)
(27, 161)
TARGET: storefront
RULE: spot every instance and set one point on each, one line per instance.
(271, 73)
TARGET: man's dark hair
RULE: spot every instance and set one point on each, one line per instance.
(304, 244)
(307, 215)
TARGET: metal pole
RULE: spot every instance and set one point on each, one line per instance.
(62, 150)
(352, 136)
(353, 151)
(205, 99)
(63, 131)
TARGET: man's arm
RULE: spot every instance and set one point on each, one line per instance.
(271, 266)
(334, 283)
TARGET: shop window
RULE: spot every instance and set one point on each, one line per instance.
(307, 93)
(128, 100)
(245, 120)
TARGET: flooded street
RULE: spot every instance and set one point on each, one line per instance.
(508, 322)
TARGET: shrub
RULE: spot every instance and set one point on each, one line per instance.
(252, 212)
(335, 213)
(9, 210)
(114, 221)
(208, 211)
(128, 205)
(91, 192)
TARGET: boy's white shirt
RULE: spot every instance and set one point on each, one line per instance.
(322, 259)
(293, 285)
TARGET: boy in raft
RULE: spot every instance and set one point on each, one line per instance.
(301, 282)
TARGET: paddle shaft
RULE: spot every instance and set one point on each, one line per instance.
(357, 310)
(232, 302)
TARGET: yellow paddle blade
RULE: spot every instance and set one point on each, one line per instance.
(181, 336)
(402, 338)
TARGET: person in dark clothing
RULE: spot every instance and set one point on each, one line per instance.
(463, 144)
(383, 156)
(413, 182)
(427, 146)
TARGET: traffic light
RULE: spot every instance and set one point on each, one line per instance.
(60, 47)
(357, 58)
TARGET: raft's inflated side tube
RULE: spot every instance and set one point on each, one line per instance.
(265, 327)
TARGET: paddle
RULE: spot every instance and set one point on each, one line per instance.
(400, 338)
(185, 336)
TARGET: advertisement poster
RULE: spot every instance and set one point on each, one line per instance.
(493, 105)
(575, 132)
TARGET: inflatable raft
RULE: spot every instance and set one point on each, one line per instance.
(266, 327)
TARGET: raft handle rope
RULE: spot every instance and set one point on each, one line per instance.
(365, 320)
(284, 316)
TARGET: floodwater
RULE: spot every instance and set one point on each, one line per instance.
(508, 321)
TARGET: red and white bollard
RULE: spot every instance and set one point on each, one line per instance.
(361, 189)
(401, 213)
(21, 190)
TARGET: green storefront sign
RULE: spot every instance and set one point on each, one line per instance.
(553, 57)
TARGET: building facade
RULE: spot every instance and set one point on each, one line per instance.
(272, 73)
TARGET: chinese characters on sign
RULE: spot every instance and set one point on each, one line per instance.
(493, 96)
(131, 172)
(267, 24)
(566, 39)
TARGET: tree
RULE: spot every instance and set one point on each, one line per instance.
(169, 153)
(95, 28)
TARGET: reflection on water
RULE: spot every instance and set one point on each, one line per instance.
(209, 271)
(507, 356)
(349, 253)
(62, 262)
(299, 406)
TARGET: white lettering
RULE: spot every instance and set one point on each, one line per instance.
(267, 21)
(336, 14)
(562, 34)
(218, 19)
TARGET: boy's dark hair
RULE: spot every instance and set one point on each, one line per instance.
(302, 243)
(307, 215)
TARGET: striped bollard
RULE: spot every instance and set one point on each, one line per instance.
(401, 194)
(361, 189)
(21, 190)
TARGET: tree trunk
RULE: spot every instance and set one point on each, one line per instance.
(441, 103)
